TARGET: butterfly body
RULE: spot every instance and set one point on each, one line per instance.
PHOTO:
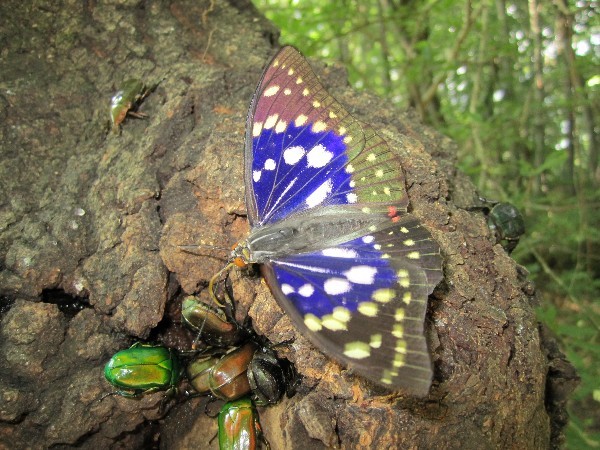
(327, 205)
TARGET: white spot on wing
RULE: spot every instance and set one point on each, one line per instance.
(339, 252)
(351, 197)
(287, 289)
(256, 175)
(292, 155)
(303, 267)
(336, 286)
(270, 164)
(318, 156)
(368, 239)
(306, 290)
(287, 188)
(319, 194)
(361, 274)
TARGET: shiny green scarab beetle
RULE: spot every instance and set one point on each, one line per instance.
(239, 427)
(507, 223)
(216, 326)
(126, 100)
(225, 377)
(143, 368)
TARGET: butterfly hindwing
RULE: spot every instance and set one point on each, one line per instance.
(364, 301)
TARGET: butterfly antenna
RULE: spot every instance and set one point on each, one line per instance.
(195, 247)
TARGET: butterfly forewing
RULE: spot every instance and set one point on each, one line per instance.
(327, 202)
(303, 149)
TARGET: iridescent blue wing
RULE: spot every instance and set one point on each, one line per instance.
(364, 301)
(304, 150)
(359, 292)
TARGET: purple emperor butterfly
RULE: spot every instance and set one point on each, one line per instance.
(327, 204)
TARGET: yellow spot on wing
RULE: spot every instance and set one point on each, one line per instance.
(332, 115)
(280, 127)
(342, 314)
(401, 346)
(305, 92)
(357, 350)
(376, 340)
(319, 126)
(291, 71)
(317, 104)
(399, 316)
(398, 330)
(256, 129)
(300, 120)
(287, 91)
(413, 255)
(331, 323)
(270, 122)
(271, 91)
(399, 360)
(368, 309)
(312, 322)
(299, 80)
(383, 295)
(387, 377)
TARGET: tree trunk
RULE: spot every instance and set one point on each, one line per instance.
(92, 220)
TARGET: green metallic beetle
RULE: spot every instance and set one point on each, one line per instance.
(142, 369)
(507, 224)
(239, 426)
(126, 101)
(216, 326)
(504, 221)
(224, 377)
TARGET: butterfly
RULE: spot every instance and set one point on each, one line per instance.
(327, 206)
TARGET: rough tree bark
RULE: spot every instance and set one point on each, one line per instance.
(92, 219)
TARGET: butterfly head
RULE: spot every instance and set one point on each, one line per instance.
(240, 254)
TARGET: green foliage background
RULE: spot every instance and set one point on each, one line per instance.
(516, 84)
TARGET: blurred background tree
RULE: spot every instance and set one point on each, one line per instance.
(516, 85)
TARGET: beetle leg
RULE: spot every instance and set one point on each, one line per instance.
(261, 435)
(137, 115)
